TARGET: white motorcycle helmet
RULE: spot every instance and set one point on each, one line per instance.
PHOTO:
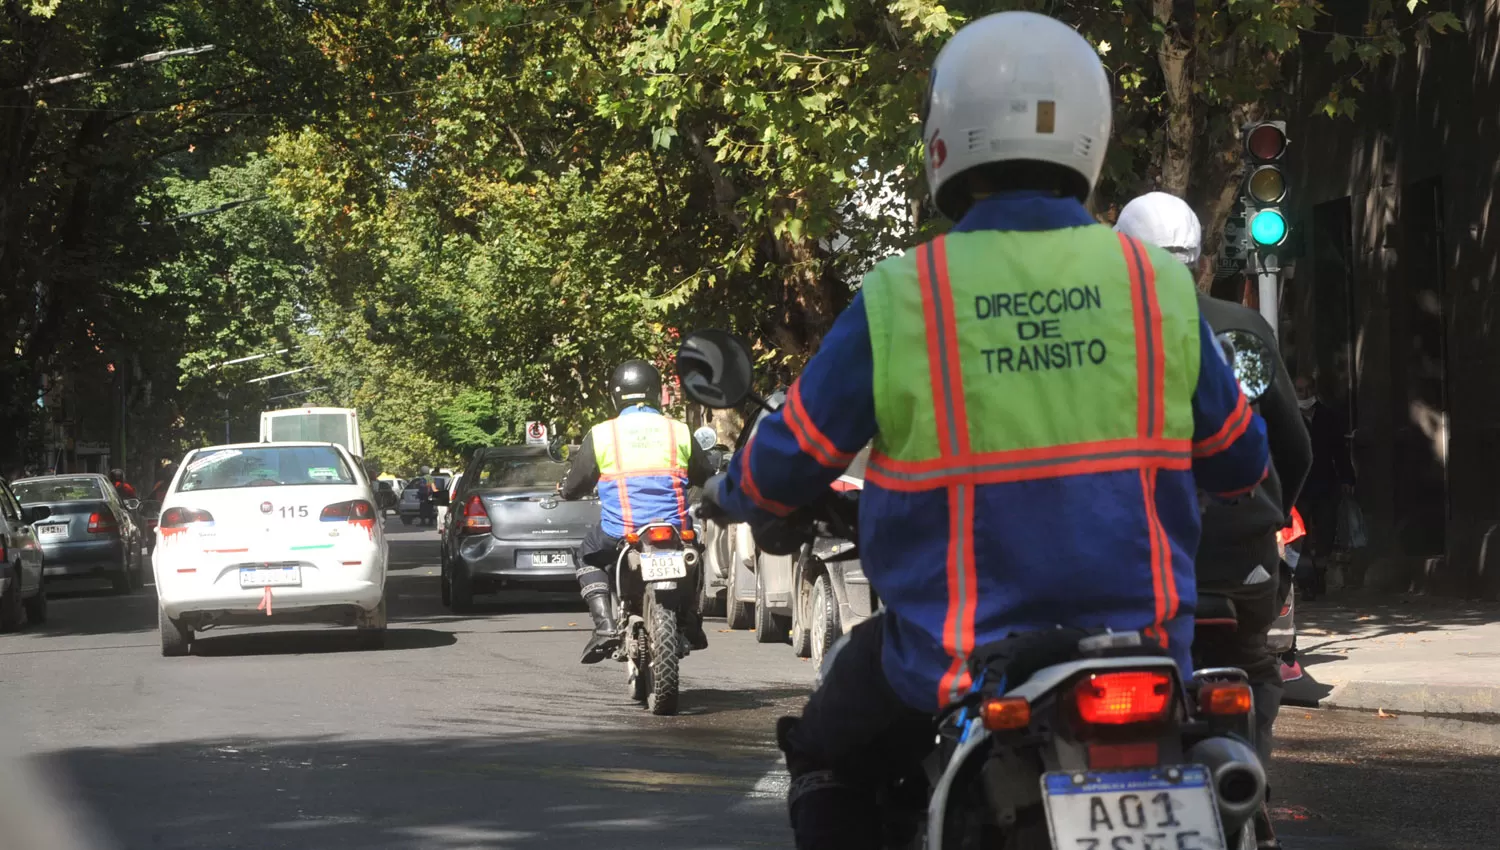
(706, 438)
(1013, 87)
(1166, 221)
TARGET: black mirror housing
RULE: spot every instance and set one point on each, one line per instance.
(1253, 361)
(716, 369)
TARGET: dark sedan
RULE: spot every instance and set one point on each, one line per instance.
(90, 532)
(507, 528)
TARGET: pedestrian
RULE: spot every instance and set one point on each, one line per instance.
(122, 487)
(1330, 480)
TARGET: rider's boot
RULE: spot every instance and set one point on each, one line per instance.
(606, 637)
(692, 627)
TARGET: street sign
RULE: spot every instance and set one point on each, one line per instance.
(536, 434)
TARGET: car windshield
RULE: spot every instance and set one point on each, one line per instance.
(527, 471)
(58, 490)
(225, 469)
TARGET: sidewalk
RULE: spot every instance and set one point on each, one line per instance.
(1404, 654)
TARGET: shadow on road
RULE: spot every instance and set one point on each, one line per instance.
(315, 641)
(520, 791)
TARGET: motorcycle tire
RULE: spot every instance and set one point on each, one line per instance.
(640, 686)
(665, 650)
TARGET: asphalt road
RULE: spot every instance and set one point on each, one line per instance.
(483, 731)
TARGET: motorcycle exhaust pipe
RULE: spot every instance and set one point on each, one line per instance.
(1238, 776)
(690, 557)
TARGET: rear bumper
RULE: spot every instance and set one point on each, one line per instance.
(492, 562)
(83, 558)
(203, 586)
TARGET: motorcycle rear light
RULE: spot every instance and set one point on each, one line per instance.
(346, 511)
(1114, 756)
(180, 517)
(1118, 699)
(476, 518)
(660, 533)
(103, 524)
(688, 534)
(1226, 699)
(1003, 713)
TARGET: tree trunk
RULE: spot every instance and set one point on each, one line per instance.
(1174, 55)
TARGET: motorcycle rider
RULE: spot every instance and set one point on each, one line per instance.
(1238, 556)
(648, 461)
(1044, 400)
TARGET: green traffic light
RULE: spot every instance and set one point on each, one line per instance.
(1268, 227)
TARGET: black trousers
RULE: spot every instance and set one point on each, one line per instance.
(854, 734)
(595, 559)
(1256, 608)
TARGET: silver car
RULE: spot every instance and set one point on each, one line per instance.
(89, 532)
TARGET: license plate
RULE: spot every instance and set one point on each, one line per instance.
(49, 532)
(1167, 808)
(550, 559)
(271, 576)
(663, 567)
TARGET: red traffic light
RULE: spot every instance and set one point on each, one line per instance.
(1265, 141)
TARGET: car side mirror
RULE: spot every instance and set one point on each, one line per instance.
(35, 513)
(132, 504)
(1253, 361)
(715, 368)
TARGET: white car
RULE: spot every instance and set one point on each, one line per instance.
(269, 533)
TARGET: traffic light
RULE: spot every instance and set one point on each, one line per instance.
(1265, 185)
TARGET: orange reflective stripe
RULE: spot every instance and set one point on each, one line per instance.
(1028, 464)
(1233, 428)
(809, 438)
(747, 478)
(1151, 363)
(1163, 581)
(625, 517)
(674, 451)
(963, 596)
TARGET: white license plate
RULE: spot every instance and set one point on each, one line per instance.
(1167, 808)
(663, 567)
(51, 532)
(271, 576)
(550, 559)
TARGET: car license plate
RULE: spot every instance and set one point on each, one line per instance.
(271, 575)
(52, 532)
(664, 566)
(550, 559)
(1165, 808)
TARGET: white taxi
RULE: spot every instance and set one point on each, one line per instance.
(269, 533)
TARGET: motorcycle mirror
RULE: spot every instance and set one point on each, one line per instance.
(715, 368)
(1253, 361)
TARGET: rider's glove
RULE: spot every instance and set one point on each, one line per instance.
(784, 535)
(711, 502)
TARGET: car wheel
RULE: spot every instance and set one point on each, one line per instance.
(824, 622)
(461, 590)
(405, 520)
(36, 606)
(802, 621)
(372, 631)
(737, 615)
(12, 614)
(176, 638)
(768, 627)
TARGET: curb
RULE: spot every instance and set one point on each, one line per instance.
(1476, 701)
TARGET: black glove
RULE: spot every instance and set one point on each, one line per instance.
(708, 501)
(784, 535)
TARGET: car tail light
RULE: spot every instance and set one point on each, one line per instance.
(103, 523)
(1119, 699)
(476, 518)
(1226, 699)
(660, 534)
(345, 511)
(181, 517)
(1002, 713)
(1286, 608)
(1115, 756)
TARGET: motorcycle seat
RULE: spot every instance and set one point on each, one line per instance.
(1215, 610)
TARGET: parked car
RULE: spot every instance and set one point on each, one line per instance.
(816, 596)
(410, 506)
(267, 533)
(23, 586)
(90, 532)
(507, 527)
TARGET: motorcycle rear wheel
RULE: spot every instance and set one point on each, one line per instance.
(665, 651)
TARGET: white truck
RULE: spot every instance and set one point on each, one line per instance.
(317, 424)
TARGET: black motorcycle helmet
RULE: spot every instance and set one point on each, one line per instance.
(635, 382)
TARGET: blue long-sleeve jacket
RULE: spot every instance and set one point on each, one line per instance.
(1059, 551)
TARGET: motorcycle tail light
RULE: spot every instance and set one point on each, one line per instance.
(476, 518)
(103, 523)
(660, 533)
(1286, 608)
(1003, 713)
(181, 517)
(1226, 699)
(1119, 699)
(688, 534)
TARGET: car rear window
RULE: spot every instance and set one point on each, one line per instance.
(519, 471)
(226, 469)
(58, 490)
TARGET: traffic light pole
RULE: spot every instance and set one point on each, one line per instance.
(1269, 292)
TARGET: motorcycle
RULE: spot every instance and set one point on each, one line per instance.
(1066, 739)
(656, 579)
